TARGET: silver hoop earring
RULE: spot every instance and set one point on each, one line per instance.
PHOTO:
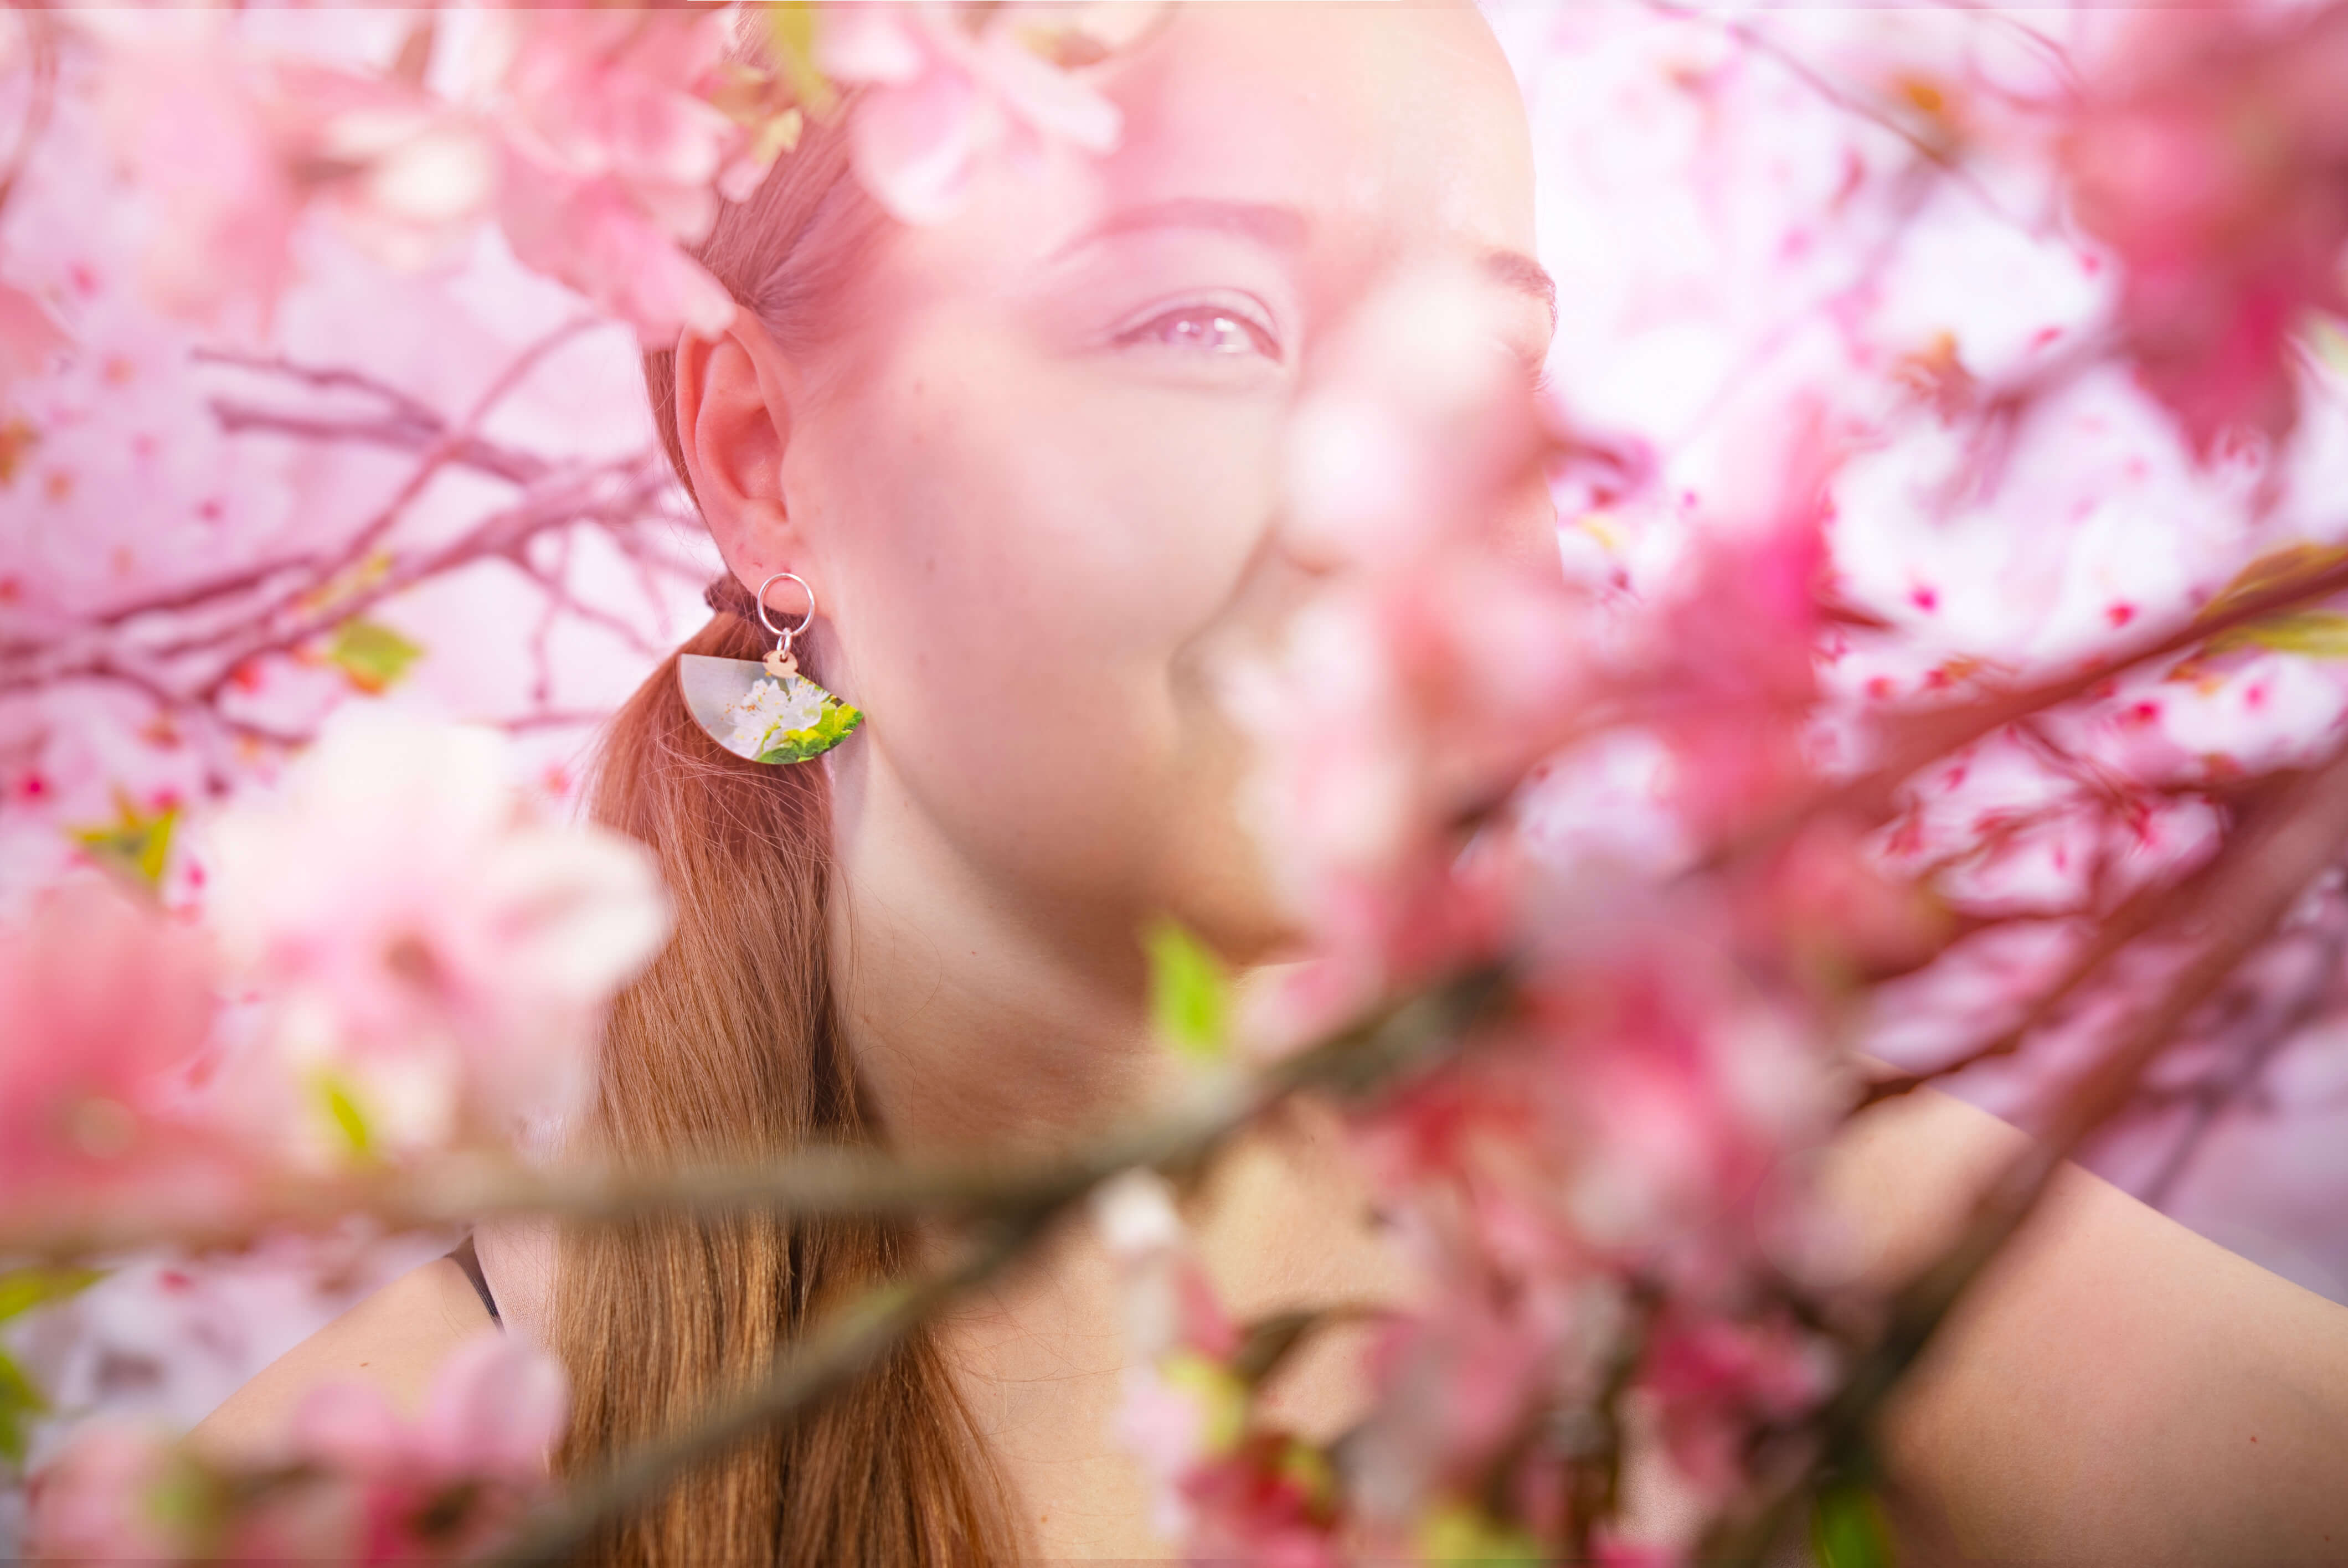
(782, 662)
(766, 709)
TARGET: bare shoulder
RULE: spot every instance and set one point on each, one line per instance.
(396, 1339)
(2116, 1389)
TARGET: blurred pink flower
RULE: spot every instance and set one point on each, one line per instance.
(596, 236)
(1713, 1380)
(107, 1002)
(221, 153)
(355, 1482)
(495, 1410)
(945, 89)
(1269, 1503)
(589, 133)
(29, 335)
(610, 155)
(423, 950)
(99, 1500)
(1395, 709)
(2218, 170)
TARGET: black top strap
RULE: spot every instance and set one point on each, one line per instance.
(465, 1259)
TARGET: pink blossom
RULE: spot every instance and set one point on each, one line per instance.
(610, 155)
(1395, 709)
(99, 1500)
(108, 1003)
(357, 1481)
(1713, 1380)
(431, 961)
(1269, 1503)
(495, 1410)
(590, 133)
(220, 153)
(29, 335)
(2214, 169)
(595, 235)
(946, 90)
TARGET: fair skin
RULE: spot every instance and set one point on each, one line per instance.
(1036, 490)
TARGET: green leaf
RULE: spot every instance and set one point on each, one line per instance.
(2277, 568)
(1190, 992)
(26, 1288)
(135, 843)
(1220, 1395)
(799, 745)
(791, 27)
(1848, 1529)
(1457, 1532)
(2317, 633)
(370, 654)
(20, 1401)
(339, 1097)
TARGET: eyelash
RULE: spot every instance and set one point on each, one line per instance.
(1266, 341)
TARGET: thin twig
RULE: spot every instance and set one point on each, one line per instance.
(1916, 740)
(2248, 1060)
(2261, 877)
(801, 1378)
(1350, 1062)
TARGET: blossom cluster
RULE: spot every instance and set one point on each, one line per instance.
(358, 1481)
(257, 976)
(1923, 661)
(1735, 806)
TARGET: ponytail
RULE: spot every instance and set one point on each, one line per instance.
(729, 1047)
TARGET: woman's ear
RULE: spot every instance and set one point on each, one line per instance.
(734, 399)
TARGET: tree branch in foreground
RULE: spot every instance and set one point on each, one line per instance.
(1350, 1063)
(2259, 880)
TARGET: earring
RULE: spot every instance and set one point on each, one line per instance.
(765, 710)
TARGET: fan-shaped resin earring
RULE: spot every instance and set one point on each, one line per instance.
(768, 712)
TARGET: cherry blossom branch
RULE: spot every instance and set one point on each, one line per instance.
(2262, 876)
(2113, 934)
(799, 1380)
(560, 599)
(2250, 1058)
(1942, 154)
(1916, 740)
(407, 424)
(457, 1192)
(404, 408)
(1185, 1145)
(386, 430)
(613, 496)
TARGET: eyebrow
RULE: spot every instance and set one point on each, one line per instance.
(1283, 227)
(1286, 228)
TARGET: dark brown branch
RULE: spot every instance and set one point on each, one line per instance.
(2250, 1059)
(1915, 740)
(2254, 886)
(515, 467)
(1350, 1062)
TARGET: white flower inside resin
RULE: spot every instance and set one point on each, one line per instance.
(770, 710)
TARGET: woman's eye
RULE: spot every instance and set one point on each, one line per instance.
(1207, 329)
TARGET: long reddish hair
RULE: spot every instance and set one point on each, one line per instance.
(729, 1046)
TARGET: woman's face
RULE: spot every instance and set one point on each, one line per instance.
(1038, 483)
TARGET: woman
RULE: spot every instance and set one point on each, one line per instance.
(1026, 462)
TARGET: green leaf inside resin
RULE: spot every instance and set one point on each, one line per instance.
(797, 745)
